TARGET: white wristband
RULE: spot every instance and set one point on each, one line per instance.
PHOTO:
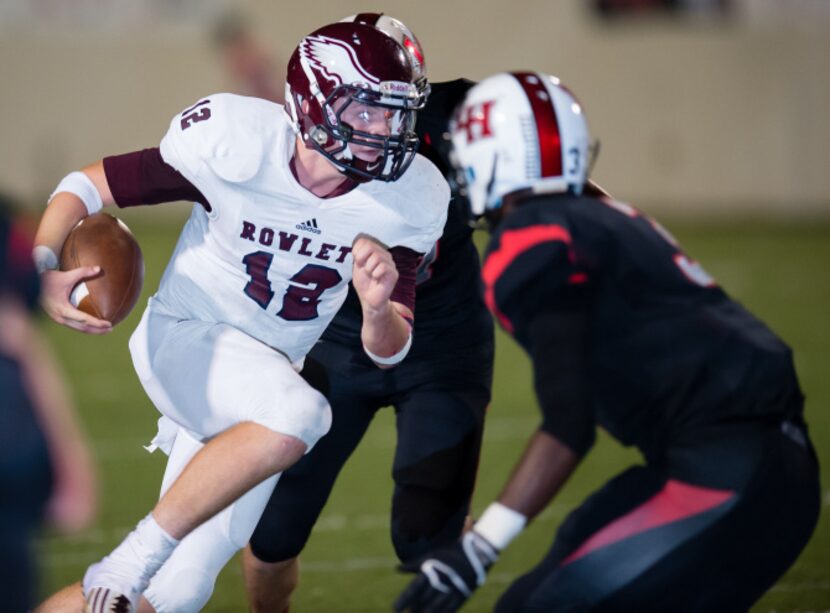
(500, 525)
(392, 359)
(82, 186)
(44, 259)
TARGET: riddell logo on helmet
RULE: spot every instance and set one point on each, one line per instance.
(326, 54)
(475, 120)
(396, 88)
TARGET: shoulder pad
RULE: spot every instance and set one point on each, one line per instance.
(421, 197)
(225, 133)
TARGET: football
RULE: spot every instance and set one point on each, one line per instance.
(102, 240)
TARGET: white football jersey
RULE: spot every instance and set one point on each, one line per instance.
(270, 257)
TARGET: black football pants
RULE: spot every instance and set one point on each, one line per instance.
(711, 529)
(439, 404)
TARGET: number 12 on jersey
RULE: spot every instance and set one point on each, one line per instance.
(305, 287)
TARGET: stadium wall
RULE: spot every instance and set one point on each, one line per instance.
(695, 116)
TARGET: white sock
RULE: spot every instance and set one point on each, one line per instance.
(153, 537)
(131, 565)
(149, 545)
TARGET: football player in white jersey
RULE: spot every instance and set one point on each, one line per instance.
(293, 203)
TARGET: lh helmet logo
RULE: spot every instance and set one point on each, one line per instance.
(475, 120)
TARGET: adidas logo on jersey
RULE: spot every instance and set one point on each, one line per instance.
(309, 226)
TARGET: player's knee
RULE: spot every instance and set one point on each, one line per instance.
(431, 499)
(450, 469)
(316, 420)
(280, 549)
(303, 413)
(285, 526)
(186, 590)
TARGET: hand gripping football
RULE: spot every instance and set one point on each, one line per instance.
(102, 240)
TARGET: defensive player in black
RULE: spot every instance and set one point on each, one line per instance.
(626, 332)
(439, 392)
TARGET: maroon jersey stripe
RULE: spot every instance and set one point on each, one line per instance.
(547, 125)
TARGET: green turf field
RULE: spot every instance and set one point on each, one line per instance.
(778, 270)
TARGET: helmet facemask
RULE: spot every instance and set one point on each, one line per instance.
(368, 134)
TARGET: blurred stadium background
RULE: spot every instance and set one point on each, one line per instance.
(712, 115)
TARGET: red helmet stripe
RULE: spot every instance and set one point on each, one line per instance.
(413, 48)
(547, 125)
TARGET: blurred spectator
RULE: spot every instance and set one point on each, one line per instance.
(45, 467)
(251, 66)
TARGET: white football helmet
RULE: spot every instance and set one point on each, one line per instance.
(519, 130)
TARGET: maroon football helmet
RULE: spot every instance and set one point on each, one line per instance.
(352, 96)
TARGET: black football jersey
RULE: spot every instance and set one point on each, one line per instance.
(663, 348)
(448, 305)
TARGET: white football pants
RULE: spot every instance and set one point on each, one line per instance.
(204, 378)
(185, 583)
(207, 377)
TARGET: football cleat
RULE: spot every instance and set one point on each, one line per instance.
(108, 587)
(105, 600)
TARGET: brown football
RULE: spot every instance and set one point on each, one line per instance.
(102, 240)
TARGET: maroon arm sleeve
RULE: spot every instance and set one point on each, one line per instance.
(406, 261)
(143, 177)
